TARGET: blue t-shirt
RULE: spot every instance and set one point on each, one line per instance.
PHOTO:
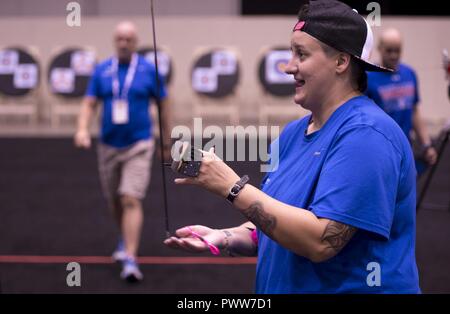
(358, 170)
(142, 89)
(396, 93)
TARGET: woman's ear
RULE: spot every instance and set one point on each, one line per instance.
(342, 62)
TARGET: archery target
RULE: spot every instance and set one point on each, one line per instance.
(69, 72)
(216, 73)
(19, 72)
(272, 72)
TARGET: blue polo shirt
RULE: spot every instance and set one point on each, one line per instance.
(142, 90)
(358, 169)
(396, 93)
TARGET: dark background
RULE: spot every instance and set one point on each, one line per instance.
(388, 7)
(51, 204)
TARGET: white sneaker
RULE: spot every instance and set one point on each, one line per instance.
(120, 255)
(130, 270)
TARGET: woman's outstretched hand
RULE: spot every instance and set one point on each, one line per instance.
(196, 239)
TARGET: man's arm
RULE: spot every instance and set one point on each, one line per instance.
(82, 137)
(422, 135)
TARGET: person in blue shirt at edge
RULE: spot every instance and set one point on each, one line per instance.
(397, 93)
(338, 214)
(125, 83)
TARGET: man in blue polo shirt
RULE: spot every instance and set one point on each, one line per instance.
(397, 93)
(125, 84)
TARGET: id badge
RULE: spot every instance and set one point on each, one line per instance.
(120, 111)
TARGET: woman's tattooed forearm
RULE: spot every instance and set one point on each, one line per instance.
(337, 235)
(263, 220)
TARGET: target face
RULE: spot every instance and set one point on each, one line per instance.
(215, 74)
(19, 72)
(272, 72)
(69, 72)
(164, 62)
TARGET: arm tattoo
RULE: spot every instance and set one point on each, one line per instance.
(262, 220)
(337, 235)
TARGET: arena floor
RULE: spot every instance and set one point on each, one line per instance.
(52, 213)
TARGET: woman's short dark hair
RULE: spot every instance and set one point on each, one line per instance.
(358, 74)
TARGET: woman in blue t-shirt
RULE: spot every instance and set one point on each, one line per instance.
(338, 214)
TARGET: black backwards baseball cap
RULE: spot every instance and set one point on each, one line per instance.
(339, 26)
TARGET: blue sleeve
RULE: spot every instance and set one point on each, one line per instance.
(93, 89)
(358, 182)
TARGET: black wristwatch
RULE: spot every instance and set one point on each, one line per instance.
(237, 187)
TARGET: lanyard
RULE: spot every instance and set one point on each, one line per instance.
(128, 78)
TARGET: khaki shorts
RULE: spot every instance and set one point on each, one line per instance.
(125, 171)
